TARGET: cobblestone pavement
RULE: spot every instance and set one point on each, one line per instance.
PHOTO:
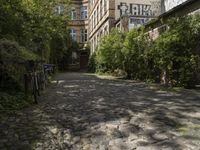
(83, 112)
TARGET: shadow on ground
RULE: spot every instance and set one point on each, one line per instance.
(81, 111)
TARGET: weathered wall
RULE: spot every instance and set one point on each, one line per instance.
(137, 8)
(169, 4)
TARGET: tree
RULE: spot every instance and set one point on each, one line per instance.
(109, 55)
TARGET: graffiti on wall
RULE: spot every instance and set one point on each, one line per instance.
(137, 9)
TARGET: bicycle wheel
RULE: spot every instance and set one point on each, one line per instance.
(35, 91)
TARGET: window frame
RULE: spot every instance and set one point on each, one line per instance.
(73, 14)
(83, 12)
(73, 34)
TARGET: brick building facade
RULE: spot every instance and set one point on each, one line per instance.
(79, 32)
(101, 20)
(124, 14)
(91, 19)
(79, 21)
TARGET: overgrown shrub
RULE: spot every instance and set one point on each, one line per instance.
(135, 51)
(172, 58)
(12, 58)
(175, 52)
(30, 30)
(12, 69)
(92, 63)
(109, 55)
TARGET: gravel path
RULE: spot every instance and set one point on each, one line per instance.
(83, 112)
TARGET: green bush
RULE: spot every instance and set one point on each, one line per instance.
(30, 30)
(172, 58)
(92, 63)
(12, 58)
(175, 52)
(109, 55)
(135, 51)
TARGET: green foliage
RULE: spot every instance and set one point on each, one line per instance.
(175, 51)
(135, 50)
(109, 55)
(172, 58)
(92, 63)
(11, 51)
(13, 101)
(12, 57)
(33, 24)
(30, 30)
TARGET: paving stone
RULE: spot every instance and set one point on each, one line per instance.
(104, 114)
(113, 147)
(54, 130)
(85, 141)
(113, 124)
(103, 147)
(132, 137)
(86, 147)
(131, 145)
(147, 148)
(160, 136)
(94, 146)
(76, 139)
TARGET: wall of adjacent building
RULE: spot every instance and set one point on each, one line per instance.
(169, 4)
(137, 8)
(101, 20)
(78, 24)
(135, 13)
(188, 7)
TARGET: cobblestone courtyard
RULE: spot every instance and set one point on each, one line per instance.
(83, 112)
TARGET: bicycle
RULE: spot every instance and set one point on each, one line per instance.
(35, 86)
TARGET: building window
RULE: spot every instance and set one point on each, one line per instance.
(73, 34)
(105, 6)
(95, 17)
(73, 14)
(83, 35)
(84, 12)
(97, 14)
(95, 43)
(59, 9)
(86, 35)
(136, 22)
(92, 21)
(101, 7)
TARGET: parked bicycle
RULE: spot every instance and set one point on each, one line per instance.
(35, 86)
(36, 79)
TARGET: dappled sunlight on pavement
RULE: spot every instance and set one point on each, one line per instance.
(84, 112)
